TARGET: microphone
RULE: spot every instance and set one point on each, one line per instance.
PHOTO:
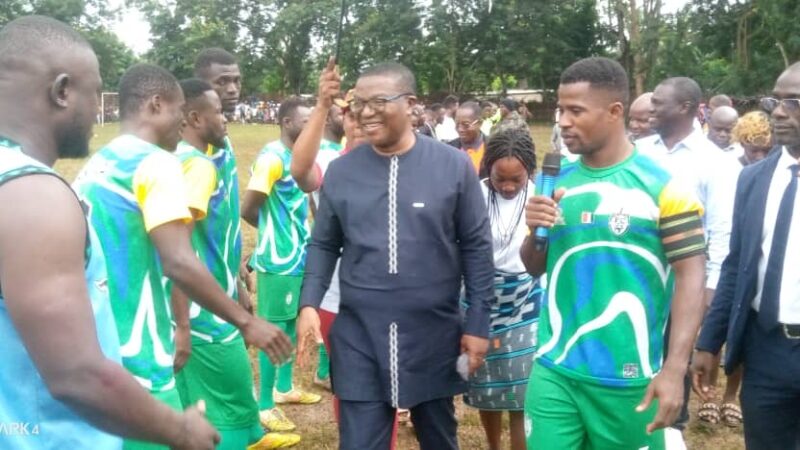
(550, 170)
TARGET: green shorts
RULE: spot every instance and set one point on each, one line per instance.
(278, 296)
(564, 413)
(171, 398)
(220, 374)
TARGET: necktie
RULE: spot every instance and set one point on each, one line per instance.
(770, 294)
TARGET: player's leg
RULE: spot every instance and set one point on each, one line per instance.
(612, 422)
(284, 304)
(272, 290)
(552, 418)
(323, 368)
(220, 374)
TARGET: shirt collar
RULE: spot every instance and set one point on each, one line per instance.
(786, 160)
(694, 141)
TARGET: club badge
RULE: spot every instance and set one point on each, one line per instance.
(619, 223)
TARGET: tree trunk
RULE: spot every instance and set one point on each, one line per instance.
(636, 45)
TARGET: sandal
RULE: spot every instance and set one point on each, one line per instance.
(709, 412)
(731, 415)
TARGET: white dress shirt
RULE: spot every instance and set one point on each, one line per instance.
(446, 131)
(736, 150)
(713, 174)
(789, 300)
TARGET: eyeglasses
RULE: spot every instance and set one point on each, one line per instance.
(376, 104)
(769, 104)
(462, 125)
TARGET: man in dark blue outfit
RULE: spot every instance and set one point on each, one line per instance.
(406, 215)
(757, 303)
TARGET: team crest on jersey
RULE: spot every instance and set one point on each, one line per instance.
(289, 298)
(630, 371)
(619, 223)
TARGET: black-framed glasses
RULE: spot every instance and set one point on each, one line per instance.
(465, 125)
(376, 104)
(769, 104)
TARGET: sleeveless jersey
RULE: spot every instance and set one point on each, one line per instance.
(30, 418)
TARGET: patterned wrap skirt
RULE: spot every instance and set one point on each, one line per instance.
(500, 384)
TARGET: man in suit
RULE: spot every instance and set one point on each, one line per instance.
(756, 308)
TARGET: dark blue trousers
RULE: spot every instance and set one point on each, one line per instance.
(770, 394)
(368, 425)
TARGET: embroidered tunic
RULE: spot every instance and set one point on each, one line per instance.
(409, 229)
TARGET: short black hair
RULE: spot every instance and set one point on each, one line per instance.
(140, 83)
(401, 73)
(685, 89)
(449, 101)
(436, 106)
(602, 73)
(289, 106)
(27, 37)
(474, 107)
(194, 88)
(210, 56)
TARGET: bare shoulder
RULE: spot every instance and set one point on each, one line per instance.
(39, 203)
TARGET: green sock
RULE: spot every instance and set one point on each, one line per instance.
(268, 370)
(267, 382)
(285, 371)
(324, 366)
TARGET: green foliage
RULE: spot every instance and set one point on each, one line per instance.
(92, 19)
(453, 46)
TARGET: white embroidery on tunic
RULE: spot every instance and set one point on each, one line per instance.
(393, 166)
(393, 361)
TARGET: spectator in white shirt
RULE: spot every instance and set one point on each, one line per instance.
(686, 152)
(720, 127)
(446, 130)
(690, 155)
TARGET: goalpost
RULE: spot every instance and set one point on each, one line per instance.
(109, 108)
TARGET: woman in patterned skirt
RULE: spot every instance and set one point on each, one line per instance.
(499, 385)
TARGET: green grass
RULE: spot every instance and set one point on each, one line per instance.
(315, 423)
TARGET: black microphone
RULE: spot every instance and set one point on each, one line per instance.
(550, 170)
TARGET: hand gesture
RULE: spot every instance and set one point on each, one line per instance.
(269, 338)
(198, 434)
(329, 84)
(702, 365)
(308, 327)
(183, 347)
(475, 348)
(667, 387)
(542, 211)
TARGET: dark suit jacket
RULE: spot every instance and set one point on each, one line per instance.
(738, 281)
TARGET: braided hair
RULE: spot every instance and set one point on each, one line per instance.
(510, 143)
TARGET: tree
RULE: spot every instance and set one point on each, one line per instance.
(92, 19)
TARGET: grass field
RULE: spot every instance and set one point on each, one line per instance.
(315, 423)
